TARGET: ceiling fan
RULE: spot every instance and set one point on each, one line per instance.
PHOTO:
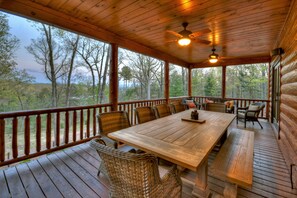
(185, 37)
(214, 57)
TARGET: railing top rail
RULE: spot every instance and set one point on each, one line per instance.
(246, 99)
(140, 101)
(52, 110)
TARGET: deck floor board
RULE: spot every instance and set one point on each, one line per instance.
(73, 173)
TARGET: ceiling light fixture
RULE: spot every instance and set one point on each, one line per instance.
(184, 41)
(213, 58)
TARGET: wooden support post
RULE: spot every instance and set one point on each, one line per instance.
(190, 81)
(223, 82)
(166, 73)
(113, 89)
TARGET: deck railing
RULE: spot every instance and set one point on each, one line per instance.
(27, 134)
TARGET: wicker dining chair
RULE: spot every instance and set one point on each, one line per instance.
(162, 110)
(136, 175)
(178, 107)
(144, 114)
(110, 122)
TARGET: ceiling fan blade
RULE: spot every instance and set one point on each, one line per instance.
(201, 41)
(171, 41)
(199, 33)
(174, 33)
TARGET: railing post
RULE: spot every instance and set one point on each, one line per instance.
(223, 82)
(2, 140)
(190, 81)
(113, 88)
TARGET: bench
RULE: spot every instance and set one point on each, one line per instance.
(234, 162)
(217, 107)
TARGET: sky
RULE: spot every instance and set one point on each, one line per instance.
(23, 30)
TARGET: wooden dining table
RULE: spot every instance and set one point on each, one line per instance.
(184, 143)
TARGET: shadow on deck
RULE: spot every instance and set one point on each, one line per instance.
(73, 173)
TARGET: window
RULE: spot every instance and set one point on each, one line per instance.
(43, 67)
(247, 81)
(207, 82)
(140, 77)
(178, 77)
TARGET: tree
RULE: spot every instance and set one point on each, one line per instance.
(95, 57)
(49, 53)
(13, 82)
(8, 45)
(126, 74)
(145, 71)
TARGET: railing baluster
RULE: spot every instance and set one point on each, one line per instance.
(27, 135)
(81, 124)
(58, 121)
(2, 140)
(66, 135)
(48, 130)
(94, 122)
(74, 126)
(38, 133)
(15, 137)
(88, 123)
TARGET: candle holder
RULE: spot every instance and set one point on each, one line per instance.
(194, 115)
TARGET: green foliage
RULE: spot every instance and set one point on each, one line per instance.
(207, 82)
(178, 77)
(247, 81)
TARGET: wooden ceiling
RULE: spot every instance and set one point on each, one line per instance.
(239, 28)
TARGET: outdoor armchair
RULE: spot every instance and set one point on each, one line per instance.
(136, 175)
(250, 113)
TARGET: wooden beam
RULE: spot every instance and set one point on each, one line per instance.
(235, 61)
(166, 73)
(113, 88)
(35, 11)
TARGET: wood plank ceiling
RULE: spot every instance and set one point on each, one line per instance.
(240, 28)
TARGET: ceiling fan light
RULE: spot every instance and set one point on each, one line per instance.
(213, 58)
(184, 41)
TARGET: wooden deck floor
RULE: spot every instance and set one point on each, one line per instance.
(72, 173)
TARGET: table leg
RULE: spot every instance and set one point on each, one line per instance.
(200, 188)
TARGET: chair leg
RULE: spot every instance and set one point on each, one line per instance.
(98, 173)
(260, 124)
(244, 123)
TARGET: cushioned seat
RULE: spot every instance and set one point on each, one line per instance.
(250, 113)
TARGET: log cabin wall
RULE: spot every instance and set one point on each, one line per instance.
(288, 93)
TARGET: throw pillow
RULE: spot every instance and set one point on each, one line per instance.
(191, 105)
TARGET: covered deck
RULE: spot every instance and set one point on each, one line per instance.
(72, 173)
(54, 158)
